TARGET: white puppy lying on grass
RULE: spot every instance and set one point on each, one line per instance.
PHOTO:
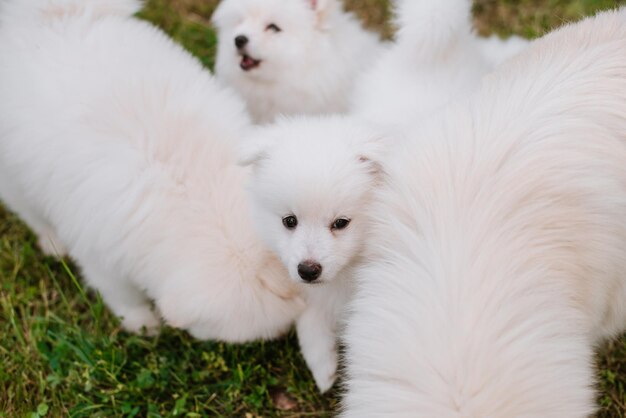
(291, 56)
(498, 249)
(117, 146)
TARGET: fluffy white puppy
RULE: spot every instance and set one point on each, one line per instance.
(498, 249)
(291, 57)
(436, 58)
(116, 145)
(312, 178)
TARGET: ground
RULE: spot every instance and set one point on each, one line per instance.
(63, 354)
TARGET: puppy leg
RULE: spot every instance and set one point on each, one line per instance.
(318, 340)
(47, 240)
(126, 301)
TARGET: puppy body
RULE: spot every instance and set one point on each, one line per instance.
(308, 66)
(117, 146)
(318, 172)
(497, 250)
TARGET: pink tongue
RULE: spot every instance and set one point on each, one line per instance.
(247, 61)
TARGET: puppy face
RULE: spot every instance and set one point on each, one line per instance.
(260, 39)
(312, 182)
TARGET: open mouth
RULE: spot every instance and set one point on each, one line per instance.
(248, 63)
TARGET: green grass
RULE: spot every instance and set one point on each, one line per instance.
(61, 351)
(63, 354)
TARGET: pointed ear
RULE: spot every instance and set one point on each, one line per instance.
(255, 148)
(323, 9)
(371, 155)
(219, 18)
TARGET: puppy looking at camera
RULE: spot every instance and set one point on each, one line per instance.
(291, 56)
(308, 193)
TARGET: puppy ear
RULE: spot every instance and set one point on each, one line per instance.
(254, 148)
(371, 155)
(323, 9)
(218, 17)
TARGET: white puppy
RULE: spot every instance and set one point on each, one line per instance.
(309, 189)
(498, 249)
(291, 56)
(116, 145)
(436, 58)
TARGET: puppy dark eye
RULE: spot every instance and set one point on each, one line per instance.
(290, 222)
(273, 27)
(339, 224)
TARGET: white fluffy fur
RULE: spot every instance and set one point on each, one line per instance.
(498, 244)
(307, 68)
(50, 11)
(302, 170)
(435, 59)
(117, 146)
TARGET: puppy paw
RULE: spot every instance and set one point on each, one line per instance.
(325, 372)
(141, 320)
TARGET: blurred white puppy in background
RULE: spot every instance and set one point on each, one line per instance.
(291, 56)
(497, 254)
(118, 147)
(495, 50)
(435, 58)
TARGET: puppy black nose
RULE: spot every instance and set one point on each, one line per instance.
(241, 41)
(309, 271)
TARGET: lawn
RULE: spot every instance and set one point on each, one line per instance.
(63, 354)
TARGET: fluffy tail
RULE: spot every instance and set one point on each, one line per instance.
(431, 26)
(46, 11)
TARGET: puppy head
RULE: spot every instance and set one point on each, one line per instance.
(263, 38)
(311, 183)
